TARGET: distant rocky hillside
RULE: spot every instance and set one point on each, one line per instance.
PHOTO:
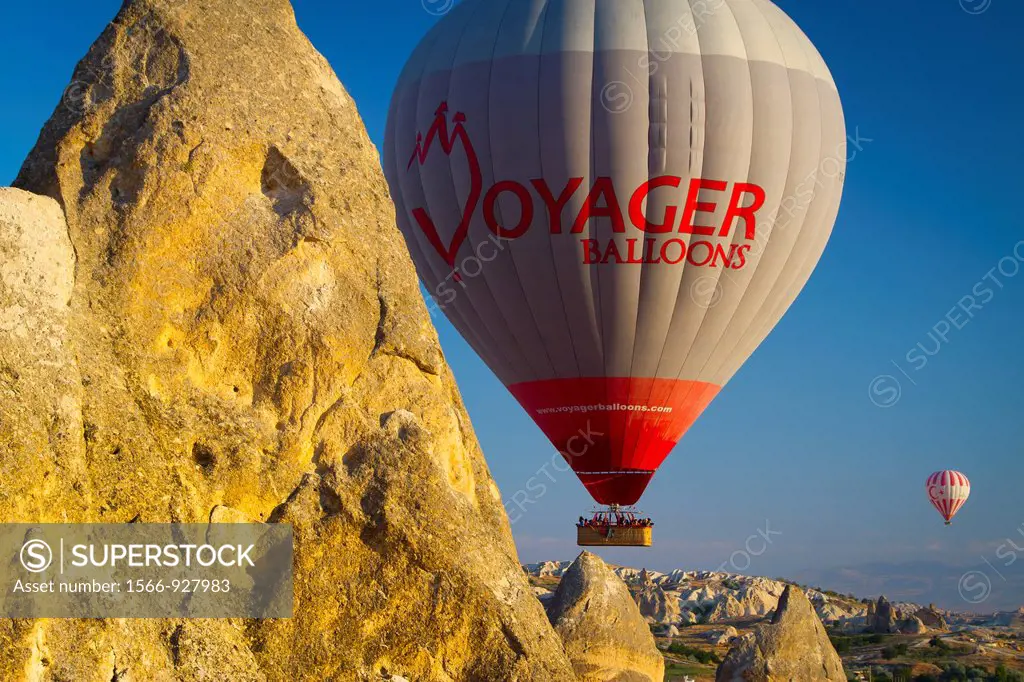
(688, 597)
(988, 586)
(732, 628)
(682, 597)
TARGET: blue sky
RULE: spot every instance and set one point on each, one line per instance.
(932, 88)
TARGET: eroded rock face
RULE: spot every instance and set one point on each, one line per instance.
(794, 646)
(932, 617)
(655, 605)
(722, 637)
(734, 597)
(912, 626)
(547, 569)
(699, 596)
(1009, 618)
(727, 608)
(42, 444)
(229, 326)
(883, 618)
(760, 596)
(605, 636)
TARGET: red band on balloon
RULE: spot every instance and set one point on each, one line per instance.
(614, 432)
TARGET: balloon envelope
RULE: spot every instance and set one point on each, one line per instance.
(614, 202)
(948, 491)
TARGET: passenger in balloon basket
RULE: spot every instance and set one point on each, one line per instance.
(613, 517)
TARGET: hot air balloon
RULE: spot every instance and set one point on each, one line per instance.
(614, 202)
(948, 491)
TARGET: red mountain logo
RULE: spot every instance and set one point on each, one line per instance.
(439, 132)
(695, 209)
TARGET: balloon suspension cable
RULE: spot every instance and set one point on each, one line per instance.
(615, 514)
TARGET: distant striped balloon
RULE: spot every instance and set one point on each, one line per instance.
(948, 490)
(614, 202)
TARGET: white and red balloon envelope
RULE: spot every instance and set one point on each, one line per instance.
(614, 202)
(948, 491)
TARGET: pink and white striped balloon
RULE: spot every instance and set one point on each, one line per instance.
(948, 490)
